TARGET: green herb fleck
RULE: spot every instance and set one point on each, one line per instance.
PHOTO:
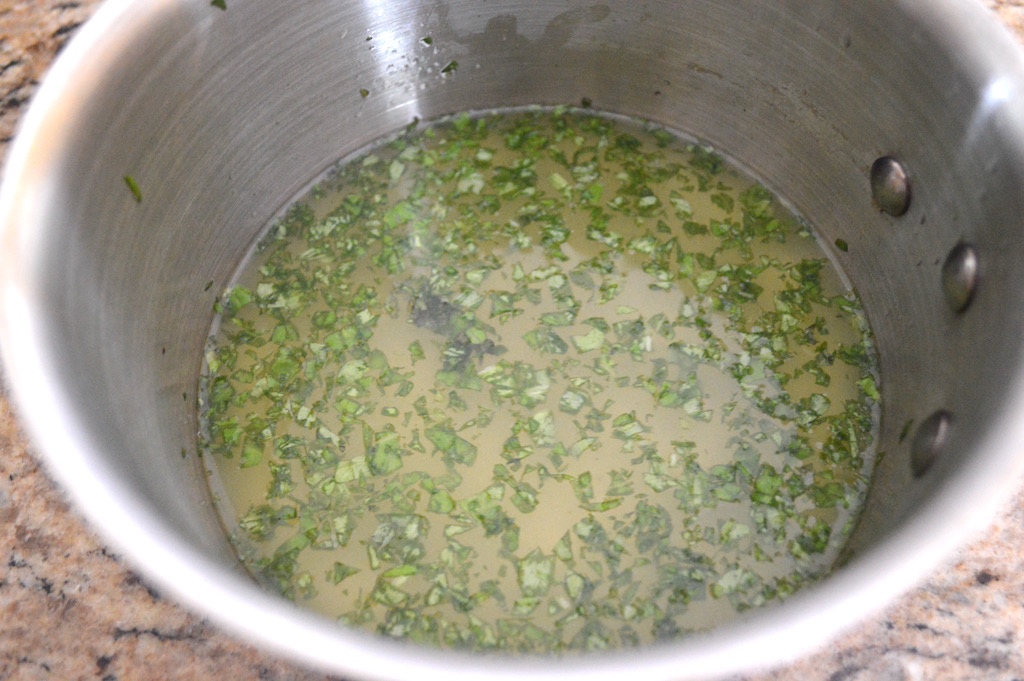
(340, 572)
(905, 430)
(133, 186)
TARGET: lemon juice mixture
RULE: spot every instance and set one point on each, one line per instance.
(538, 381)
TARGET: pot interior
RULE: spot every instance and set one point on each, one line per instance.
(221, 117)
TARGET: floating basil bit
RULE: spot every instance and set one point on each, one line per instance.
(539, 381)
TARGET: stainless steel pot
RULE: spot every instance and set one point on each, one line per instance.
(221, 116)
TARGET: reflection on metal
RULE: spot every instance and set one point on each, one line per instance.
(929, 441)
(960, 276)
(992, 97)
(890, 186)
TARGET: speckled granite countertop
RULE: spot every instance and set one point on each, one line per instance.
(70, 609)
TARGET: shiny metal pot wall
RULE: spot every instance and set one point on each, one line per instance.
(222, 116)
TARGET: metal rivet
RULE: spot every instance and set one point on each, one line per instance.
(929, 440)
(890, 186)
(960, 276)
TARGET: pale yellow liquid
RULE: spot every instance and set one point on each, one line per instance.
(703, 553)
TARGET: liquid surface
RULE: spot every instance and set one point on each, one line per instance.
(538, 382)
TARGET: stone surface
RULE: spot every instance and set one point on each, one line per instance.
(70, 609)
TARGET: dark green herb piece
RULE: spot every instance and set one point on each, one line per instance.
(905, 430)
(133, 187)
